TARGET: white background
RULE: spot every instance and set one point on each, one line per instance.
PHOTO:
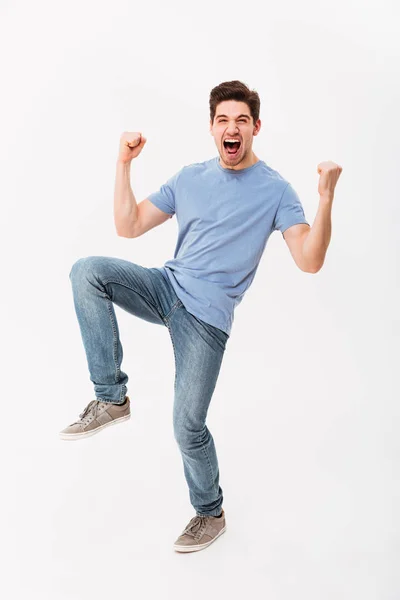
(305, 415)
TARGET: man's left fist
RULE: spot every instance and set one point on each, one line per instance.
(329, 173)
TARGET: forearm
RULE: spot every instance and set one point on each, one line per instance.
(318, 238)
(125, 206)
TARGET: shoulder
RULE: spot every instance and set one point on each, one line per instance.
(199, 167)
(197, 170)
(285, 193)
(273, 174)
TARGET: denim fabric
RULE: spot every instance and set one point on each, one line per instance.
(99, 282)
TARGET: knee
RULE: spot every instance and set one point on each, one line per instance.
(182, 437)
(186, 437)
(82, 267)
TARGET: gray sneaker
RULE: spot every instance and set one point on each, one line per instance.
(201, 531)
(96, 416)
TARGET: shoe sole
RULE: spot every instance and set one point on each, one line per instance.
(85, 434)
(178, 548)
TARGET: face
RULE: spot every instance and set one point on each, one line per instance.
(233, 121)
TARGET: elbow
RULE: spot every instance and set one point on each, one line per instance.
(312, 269)
(126, 228)
(126, 234)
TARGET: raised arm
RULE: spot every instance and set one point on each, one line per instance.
(148, 216)
(132, 220)
(308, 245)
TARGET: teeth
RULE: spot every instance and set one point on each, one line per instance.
(231, 140)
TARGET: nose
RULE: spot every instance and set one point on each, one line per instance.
(232, 129)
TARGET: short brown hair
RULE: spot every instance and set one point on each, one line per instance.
(235, 90)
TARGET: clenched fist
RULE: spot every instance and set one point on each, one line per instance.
(130, 146)
(329, 173)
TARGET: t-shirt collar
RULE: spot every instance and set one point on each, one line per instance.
(235, 171)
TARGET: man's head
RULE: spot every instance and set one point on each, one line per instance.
(234, 115)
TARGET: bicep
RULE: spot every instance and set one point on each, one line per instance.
(294, 237)
(149, 216)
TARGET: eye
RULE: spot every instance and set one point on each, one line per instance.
(223, 120)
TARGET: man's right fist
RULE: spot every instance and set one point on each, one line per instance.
(130, 146)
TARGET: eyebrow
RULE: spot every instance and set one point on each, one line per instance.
(246, 116)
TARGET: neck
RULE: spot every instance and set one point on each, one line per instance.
(243, 164)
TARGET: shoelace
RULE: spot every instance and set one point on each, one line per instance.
(195, 524)
(92, 406)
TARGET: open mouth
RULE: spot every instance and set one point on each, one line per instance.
(232, 147)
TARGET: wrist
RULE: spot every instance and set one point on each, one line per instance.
(326, 197)
(124, 163)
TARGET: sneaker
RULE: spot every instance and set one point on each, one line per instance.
(96, 416)
(201, 531)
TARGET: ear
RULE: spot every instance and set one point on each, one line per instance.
(257, 127)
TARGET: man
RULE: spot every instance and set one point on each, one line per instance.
(226, 208)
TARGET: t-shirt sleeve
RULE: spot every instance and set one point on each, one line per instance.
(290, 210)
(164, 198)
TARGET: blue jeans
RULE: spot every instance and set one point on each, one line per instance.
(98, 282)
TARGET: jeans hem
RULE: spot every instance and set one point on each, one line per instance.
(110, 401)
(214, 514)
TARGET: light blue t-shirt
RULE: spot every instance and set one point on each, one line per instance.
(225, 218)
